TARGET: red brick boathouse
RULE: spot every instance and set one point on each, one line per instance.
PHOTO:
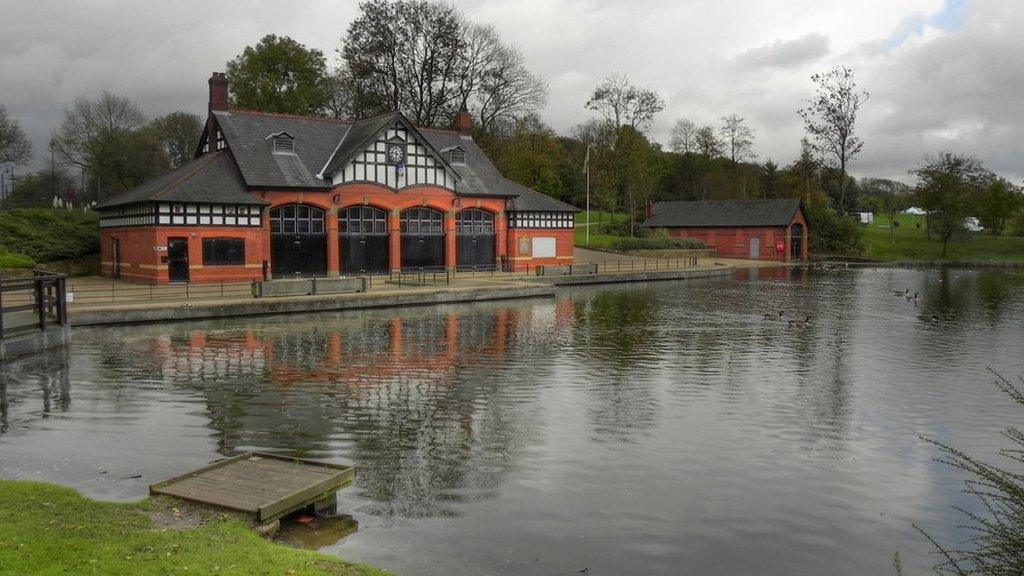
(754, 229)
(287, 196)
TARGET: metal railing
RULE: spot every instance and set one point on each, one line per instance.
(109, 291)
(33, 302)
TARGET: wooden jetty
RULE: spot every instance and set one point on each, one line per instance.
(268, 486)
(33, 314)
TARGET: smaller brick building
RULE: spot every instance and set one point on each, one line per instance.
(755, 229)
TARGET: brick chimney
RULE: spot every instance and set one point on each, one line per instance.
(464, 123)
(218, 91)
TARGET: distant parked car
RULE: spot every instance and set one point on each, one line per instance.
(915, 211)
(972, 224)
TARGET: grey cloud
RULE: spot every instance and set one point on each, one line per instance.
(786, 53)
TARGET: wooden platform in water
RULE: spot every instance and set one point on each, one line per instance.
(265, 485)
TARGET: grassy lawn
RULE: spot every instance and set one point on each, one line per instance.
(46, 529)
(911, 243)
(596, 240)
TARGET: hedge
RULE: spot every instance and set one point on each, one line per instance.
(11, 260)
(45, 235)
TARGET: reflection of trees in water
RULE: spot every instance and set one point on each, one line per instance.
(425, 425)
(50, 371)
(616, 331)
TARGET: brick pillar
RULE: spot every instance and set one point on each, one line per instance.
(395, 239)
(333, 252)
(449, 240)
(500, 238)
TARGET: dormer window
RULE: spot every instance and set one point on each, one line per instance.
(283, 143)
(456, 155)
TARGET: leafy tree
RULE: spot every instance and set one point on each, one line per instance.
(805, 172)
(108, 139)
(37, 190)
(707, 143)
(623, 104)
(426, 60)
(889, 203)
(279, 74)
(947, 184)
(635, 170)
(830, 118)
(737, 137)
(833, 233)
(770, 177)
(404, 55)
(178, 134)
(682, 138)
(997, 204)
(531, 157)
(15, 147)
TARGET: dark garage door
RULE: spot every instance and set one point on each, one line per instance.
(363, 235)
(474, 246)
(298, 241)
(422, 239)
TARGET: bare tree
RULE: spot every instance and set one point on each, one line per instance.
(737, 138)
(706, 142)
(683, 137)
(622, 103)
(504, 91)
(15, 147)
(830, 118)
(341, 100)
(105, 137)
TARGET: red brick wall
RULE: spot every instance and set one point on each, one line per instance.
(141, 259)
(143, 250)
(520, 260)
(735, 242)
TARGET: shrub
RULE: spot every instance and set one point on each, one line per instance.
(831, 233)
(655, 243)
(997, 530)
(10, 260)
(46, 234)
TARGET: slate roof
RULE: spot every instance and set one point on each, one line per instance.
(320, 144)
(530, 200)
(315, 140)
(729, 213)
(212, 178)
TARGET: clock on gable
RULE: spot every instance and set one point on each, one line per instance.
(396, 153)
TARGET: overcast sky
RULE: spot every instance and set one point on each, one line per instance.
(943, 74)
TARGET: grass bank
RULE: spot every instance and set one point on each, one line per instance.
(39, 235)
(911, 243)
(46, 529)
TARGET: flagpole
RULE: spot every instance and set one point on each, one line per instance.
(587, 163)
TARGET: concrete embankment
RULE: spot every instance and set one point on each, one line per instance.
(477, 290)
(638, 276)
(162, 312)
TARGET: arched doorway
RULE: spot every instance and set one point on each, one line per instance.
(422, 238)
(474, 247)
(363, 240)
(298, 241)
(796, 242)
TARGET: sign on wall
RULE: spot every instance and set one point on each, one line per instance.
(544, 247)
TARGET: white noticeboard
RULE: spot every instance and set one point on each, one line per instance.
(544, 248)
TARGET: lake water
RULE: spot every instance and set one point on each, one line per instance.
(659, 428)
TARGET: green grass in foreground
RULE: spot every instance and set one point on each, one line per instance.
(912, 244)
(46, 529)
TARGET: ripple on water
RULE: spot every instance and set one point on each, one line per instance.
(626, 429)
